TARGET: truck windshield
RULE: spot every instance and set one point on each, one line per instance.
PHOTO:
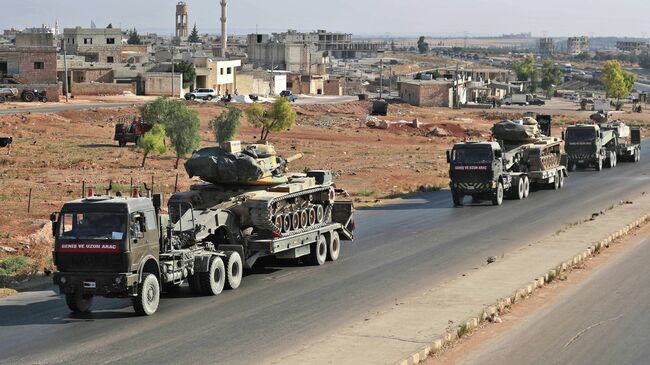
(580, 134)
(472, 155)
(109, 226)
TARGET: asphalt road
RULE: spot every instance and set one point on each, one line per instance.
(59, 107)
(604, 320)
(400, 249)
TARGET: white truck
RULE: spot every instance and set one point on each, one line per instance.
(517, 99)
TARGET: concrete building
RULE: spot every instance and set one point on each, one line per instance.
(215, 73)
(162, 84)
(95, 44)
(182, 22)
(30, 64)
(477, 74)
(546, 47)
(577, 45)
(433, 93)
(632, 46)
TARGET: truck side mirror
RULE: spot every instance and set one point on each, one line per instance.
(448, 156)
(55, 224)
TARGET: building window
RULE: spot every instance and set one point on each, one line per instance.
(221, 71)
(109, 59)
(110, 40)
(88, 41)
(39, 65)
(229, 70)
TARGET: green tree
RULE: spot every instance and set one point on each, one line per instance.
(526, 71)
(423, 46)
(617, 82)
(153, 141)
(194, 35)
(189, 73)
(226, 125)
(157, 111)
(551, 77)
(134, 37)
(279, 117)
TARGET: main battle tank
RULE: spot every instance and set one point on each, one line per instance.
(252, 186)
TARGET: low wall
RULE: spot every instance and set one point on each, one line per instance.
(98, 88)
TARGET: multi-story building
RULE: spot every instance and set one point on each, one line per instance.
(577, 45)
(632, 46)
(95, 44)
(546, 46)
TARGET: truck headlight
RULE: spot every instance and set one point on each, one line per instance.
(118, 280)
(63, 280)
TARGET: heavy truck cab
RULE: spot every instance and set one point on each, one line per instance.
(106, 246)
(475, 169)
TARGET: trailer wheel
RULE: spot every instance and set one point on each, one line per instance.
(318, 252)
(212, 282)
(497, 198)
(148, 298)
(526, 187)
(234, 270)
(333, 247)
(78, 302)
(457, 198)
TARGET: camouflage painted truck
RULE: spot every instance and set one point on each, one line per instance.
(601, 143)
(247, 207)
(519, 157)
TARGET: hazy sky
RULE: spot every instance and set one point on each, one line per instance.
(378, 17)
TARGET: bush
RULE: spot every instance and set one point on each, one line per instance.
(12, 265)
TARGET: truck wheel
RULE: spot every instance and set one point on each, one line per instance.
(234, 270)
(78, 302)
(333, 247)
(517, 190)
(457, 198)
(497, 198)
(556, 181)
(318, 252)
(637, 155)
(148, 298)
(560, 179)
(28, 96)
(599, 164)
(526, 187)
(614, 159)
(212, 282)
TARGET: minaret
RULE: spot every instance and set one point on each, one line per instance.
(224, 28)
(181, 20)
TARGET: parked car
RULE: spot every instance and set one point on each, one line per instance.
(204, 94)
(536, 101)
(289, 95)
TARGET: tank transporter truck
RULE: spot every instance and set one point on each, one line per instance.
(247, 207)
(602, 143)
(518, 158)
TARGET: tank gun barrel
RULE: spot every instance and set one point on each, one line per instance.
(295, 157)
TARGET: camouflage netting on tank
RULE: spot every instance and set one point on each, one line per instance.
(511, 131)
(218, 166)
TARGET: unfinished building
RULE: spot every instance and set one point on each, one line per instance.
(633, 46)
(95, 44)
(30, 64)
(546, 47)
(577, 45)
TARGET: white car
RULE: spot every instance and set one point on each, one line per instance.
(204, 94)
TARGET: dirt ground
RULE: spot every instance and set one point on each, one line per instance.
(54, 153)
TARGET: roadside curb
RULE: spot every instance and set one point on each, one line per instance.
(502, 305)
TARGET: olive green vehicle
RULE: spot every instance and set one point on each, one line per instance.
(126, 247)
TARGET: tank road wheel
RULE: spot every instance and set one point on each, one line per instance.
(526, 187)
(497, 198)
(286, 223)
(319, 213)
(78, 302)
(212, 282)
(333, 247)
(304, 218)
(599, 164)
(318, 251)
(146, 303)
(234, 270)
(312, 216)
(457, 198)
(295, 220)
(278, 221)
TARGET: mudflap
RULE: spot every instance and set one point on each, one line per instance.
(343, 213)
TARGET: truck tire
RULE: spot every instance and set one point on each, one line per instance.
(555, 185)
(637, 155)
(234, 270)
(212, 282)
(78, 302)
(560, 179)
(526, 187)
(148, 298)
(517, 189)
(27, 96)
(318, 252)
(497, 198)
(457, 198)
(599, 164)
(333, 247)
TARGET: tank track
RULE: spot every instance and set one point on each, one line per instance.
(261, 218)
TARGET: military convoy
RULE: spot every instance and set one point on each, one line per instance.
(520, 156)
(247, 207)
(601, 143)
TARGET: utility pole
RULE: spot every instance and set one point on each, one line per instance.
(345, 78)
(272, 67)
(65, 72)
(173, 71)
(390, 80)
(381, 77)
